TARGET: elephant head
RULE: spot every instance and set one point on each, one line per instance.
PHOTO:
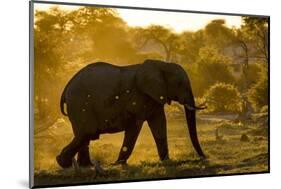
(165, 82)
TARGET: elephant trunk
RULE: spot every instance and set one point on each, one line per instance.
(191, 122)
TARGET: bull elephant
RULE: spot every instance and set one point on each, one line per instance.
(104, 98)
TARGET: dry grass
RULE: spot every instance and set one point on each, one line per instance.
(227, 156)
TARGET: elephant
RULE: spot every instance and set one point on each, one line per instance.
(104, 98)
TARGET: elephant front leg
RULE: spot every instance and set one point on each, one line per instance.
(131, 135)
(157, 125)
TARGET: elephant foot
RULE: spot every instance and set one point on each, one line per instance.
(98, 168)
(120, 162)
(85, 163)
(165, 158)
(95, 167)
(64, 162)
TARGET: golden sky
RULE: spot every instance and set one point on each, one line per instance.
(177, 21)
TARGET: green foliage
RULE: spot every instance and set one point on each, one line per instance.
(51, 39)
(65, 41)
(218, 34)
(258, 93)
(192, 42)
(264, 109)
(104, 33)
(255, 32)
(211, 55)
(162, 36)
(211, 68)
(174, 111)
(223, 97)
(249, 76)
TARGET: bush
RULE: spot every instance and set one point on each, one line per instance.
(174, 110)
(264, 109)
(258, 93)
(250, 76)
(211, 67)
(222, 97)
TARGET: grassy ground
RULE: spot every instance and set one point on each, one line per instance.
(226, 156)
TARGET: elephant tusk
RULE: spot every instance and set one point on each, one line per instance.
(192, 108)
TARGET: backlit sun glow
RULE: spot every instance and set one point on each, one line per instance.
(177, 21)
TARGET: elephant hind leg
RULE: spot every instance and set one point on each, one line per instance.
(64, 159)
(83, 158)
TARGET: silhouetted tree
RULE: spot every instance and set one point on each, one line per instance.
(162, 36)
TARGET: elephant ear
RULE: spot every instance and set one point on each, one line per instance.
(151, 81)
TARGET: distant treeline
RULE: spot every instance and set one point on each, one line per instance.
(230, 63)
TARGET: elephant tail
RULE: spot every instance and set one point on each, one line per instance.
(62, 102)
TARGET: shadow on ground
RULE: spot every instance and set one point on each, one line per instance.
(151, 170)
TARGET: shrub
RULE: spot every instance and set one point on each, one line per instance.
(174, 110)
(250, 76)
(258, 93)
(222, 97)
(264, 109)
(211, 67)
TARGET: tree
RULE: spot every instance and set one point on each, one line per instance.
(252, 38)
(249, 77)
(258, 93)
(192, 42)
(222, 97)
(218, 35)
(65, 41)
(211, 67)
(159, 35)
(256, 31)
(51, 32)
(96, 28)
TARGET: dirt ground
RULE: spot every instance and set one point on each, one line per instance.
(220, 139)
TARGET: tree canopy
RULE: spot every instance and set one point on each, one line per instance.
(65, 41)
